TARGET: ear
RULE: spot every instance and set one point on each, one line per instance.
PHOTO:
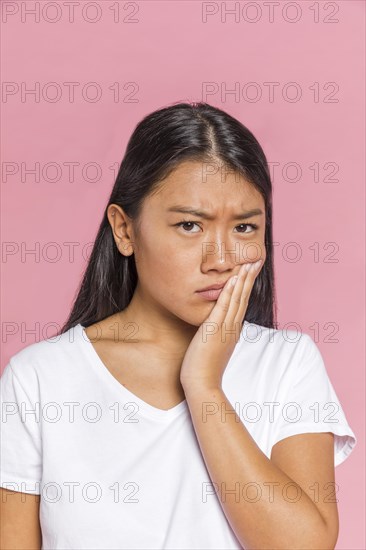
(122, 231)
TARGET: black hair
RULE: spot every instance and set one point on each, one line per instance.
(162, 140)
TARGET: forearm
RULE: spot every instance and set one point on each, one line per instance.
(264, 513)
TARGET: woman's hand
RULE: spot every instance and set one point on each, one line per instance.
(212, 346)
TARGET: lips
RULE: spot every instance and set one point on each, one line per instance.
(211, 292)
(217, 286)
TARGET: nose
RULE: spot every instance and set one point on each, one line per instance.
(218, 257)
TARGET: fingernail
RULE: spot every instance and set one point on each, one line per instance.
(248, 267)
(257, 265)
(233, 280)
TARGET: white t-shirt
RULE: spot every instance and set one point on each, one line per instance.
(115, 472)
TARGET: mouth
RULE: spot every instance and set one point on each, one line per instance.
(217, 286)
(211, 294)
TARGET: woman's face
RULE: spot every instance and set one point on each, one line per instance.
(179, 253)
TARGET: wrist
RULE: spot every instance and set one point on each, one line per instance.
(203, 388)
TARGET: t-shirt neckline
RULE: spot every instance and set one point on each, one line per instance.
(144, 408)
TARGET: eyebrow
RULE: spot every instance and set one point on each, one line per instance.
(206, 216)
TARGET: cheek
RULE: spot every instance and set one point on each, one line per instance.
(162, 267)
(253, 250)
(154, 244)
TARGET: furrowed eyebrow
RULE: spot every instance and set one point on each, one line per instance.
(206, 216)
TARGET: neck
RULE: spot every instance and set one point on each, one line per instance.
(168, 335)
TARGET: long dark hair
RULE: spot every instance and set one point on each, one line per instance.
(162, 140)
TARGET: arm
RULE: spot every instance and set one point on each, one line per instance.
(287, 520)
(19, 521)
(274, 508)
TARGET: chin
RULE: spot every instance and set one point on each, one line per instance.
(200, 315)
(192, 313)
(190, 317)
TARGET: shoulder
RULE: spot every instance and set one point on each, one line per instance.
(270, 358)
(45, 356)
(291, 335)
(280, 345)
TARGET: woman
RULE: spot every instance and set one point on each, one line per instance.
(175, 415)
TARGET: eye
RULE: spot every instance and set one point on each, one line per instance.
(254, 226)
(191, 223)
(187, 223)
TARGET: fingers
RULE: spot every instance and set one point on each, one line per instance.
(232, 302)
(222, 305)
(241, 295)
(237, 304)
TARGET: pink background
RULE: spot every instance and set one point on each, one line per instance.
(169, 52)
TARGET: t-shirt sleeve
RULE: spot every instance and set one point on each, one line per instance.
(312, 405)
(20, 438)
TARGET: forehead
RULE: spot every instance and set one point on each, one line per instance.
(208, 185)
